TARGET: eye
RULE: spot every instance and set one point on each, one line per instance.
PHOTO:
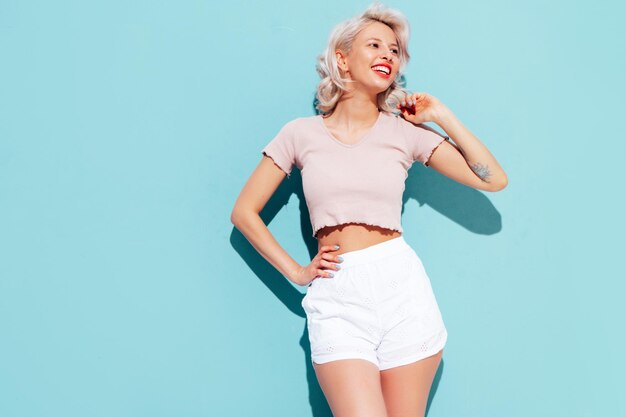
(395, 51)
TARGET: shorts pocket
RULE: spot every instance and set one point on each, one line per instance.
(425, 304)
(313, 291)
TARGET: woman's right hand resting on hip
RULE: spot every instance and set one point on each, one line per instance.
(321, 266)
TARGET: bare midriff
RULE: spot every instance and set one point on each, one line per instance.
(353, 236)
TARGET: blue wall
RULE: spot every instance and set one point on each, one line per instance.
(127, 130)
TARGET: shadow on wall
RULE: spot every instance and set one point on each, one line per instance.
(464, 205)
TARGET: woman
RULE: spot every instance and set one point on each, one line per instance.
(376, 332)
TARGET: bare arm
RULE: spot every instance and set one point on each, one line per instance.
(245, 217)
(470, 163)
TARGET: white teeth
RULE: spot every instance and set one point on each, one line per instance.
(381, 68)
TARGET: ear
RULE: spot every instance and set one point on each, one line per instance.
(342, 62)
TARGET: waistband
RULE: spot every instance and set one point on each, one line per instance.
(374, 252)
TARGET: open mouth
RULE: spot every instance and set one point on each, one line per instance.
(382, 70)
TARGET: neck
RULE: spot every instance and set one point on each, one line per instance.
(355, 109)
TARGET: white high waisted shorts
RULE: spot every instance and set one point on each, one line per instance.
(379, 307)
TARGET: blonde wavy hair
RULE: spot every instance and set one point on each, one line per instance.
(332, 85)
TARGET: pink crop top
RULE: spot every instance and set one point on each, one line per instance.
(353, 183)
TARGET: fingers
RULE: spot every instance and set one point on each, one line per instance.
(330, 265)
(407, 104)
(410, 100)
(328, 248)
(325, 273)
(328, 262)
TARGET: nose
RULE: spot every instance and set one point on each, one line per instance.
(387, 55)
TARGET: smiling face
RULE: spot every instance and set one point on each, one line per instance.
(373, 61)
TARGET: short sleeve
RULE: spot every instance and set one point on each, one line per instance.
(282, 149)
(422, 141)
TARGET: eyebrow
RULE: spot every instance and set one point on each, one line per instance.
(380, 40)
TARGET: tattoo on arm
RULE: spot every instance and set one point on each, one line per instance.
(482, 171)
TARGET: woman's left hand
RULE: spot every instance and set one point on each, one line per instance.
(420, 107)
